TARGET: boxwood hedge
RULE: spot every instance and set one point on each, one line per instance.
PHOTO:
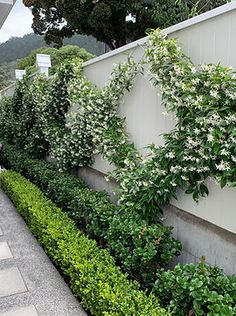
(94, 278)
(139, 247)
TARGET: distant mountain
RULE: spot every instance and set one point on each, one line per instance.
(20, 47)
(17, 48)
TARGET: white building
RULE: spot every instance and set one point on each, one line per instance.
(5, 9)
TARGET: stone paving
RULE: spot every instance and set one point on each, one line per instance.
(30, 285)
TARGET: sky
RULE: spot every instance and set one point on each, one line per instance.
(18, 22)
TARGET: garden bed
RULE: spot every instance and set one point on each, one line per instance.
(188, 289)
(94, 278)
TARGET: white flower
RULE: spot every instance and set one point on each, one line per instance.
(224, 152)
(210, 138)
(165, 113)
(233, 158)
(223, 166)
(170, 155)
(197, 131)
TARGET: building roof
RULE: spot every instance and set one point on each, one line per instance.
(5, 9)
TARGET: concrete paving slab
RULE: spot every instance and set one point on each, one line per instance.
(11, 282)
(5, 252)
(24, 311)
(1, 232)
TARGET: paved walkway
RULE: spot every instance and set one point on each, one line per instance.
(29, 283)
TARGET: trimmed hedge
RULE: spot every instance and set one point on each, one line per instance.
(94, 277)
(140, 248)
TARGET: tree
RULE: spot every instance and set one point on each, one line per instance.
(58, 56)
(167, 13)
(106, 20)
(114, 22)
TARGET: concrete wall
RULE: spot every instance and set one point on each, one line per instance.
(207, 228)
(201, 238)
(208, 38)
(8, 91)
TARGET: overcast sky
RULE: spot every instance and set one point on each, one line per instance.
(18, 22)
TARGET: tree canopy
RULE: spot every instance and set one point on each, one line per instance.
(114, 22)
(58, 56)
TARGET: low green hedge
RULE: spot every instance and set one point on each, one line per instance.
(94, 277)
(140, 248)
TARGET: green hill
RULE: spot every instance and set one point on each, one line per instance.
(17, 48)
(20, 47)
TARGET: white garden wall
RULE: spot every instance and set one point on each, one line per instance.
(207, 228)
(208, 38)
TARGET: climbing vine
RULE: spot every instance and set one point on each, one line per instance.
(72, 119)
(202, 144)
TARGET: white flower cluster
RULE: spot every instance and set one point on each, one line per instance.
(77, 120)
(203, 143)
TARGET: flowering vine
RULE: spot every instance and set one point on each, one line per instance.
(202, 144)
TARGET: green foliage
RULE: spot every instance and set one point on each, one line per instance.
(20, 47)
(200, 6)
(197, 289)
(58, 56)
(142, 248)
(107, 20)
(12, 52)
(19, 123)
(7, 73)
(3, 79)
(139, 248)
(71, 137)
(201, 145)
(101, 287)
(167, 13)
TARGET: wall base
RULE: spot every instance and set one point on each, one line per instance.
(201, 238)
(96, 180)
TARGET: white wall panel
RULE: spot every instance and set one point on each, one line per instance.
(210, 38)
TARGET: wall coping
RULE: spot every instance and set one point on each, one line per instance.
(180, 26)
(13, 84)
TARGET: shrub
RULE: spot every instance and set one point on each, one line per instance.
(94, 278)
(58, 57)
(140, 248)
(95, 209)
(197, 289)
